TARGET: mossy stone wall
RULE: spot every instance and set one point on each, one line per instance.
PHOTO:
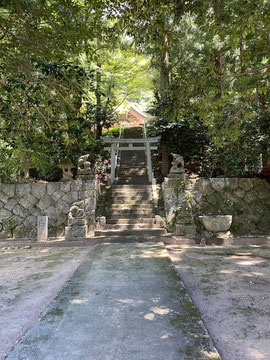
(21, 204)
(246, 199)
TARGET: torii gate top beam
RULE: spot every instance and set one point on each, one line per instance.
(130, 141)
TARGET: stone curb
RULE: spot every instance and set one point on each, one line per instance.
(206, 336)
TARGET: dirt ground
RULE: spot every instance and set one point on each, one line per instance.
(231, 288)
(29, 280)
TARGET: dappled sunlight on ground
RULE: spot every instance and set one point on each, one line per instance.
(209, 356)
(130, 302)
(150, 316)
(225, 272)
(161, 310)
(256, 354)
(250, 262)
(155, 250)
(45, 250)
(29, 280)
(124, 299)
(157, 311)
(230, 286)
(78, 301)
(251, 274)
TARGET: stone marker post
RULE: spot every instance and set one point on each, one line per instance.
(42, 228)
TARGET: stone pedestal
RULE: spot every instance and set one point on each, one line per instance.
(188, 231)
(216, 229)
(75, 232)
(77, 228)
(217, 238)
(216, 223)
(76, 222)
(85, 177)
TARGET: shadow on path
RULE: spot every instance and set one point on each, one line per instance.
(124, 302)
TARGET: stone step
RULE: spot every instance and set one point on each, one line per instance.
(133, 132)
(180, 241)
(131, 206)
(127, 212)
(128, 171)
(127, 197)
(126, 239)
(131, 167)
(145, 220)
(133, 191)
(130, 226)
(134, 177)
(132, 186)
(131, 174)
(129, 201)
(133, 180)
(119, 195)
(117, 215)
(132, 232)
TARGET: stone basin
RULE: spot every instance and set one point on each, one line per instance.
(218, 223)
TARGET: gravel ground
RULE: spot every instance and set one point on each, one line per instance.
(231, 289)
(29, 281)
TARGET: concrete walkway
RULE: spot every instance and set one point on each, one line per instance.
(125, 302)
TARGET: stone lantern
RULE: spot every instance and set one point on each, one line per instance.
(67, 173)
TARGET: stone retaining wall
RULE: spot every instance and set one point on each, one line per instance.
(246, 199)
(20, 204)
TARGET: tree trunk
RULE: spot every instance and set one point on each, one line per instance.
(261, 99)
(98, 103)
(265, 171)
(98, 131)
(164, 83)
(165, 160)
(26, 168)
(218, 56)
(164, 68)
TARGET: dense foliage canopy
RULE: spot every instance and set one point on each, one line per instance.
(68, 67)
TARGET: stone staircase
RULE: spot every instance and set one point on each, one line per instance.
(130, 215)
(132, 166)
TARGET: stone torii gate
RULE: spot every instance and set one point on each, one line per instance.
(127, 145)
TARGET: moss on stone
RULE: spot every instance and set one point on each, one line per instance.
(189, 308)
(56, 312)
(39, 276)
(41, 338)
